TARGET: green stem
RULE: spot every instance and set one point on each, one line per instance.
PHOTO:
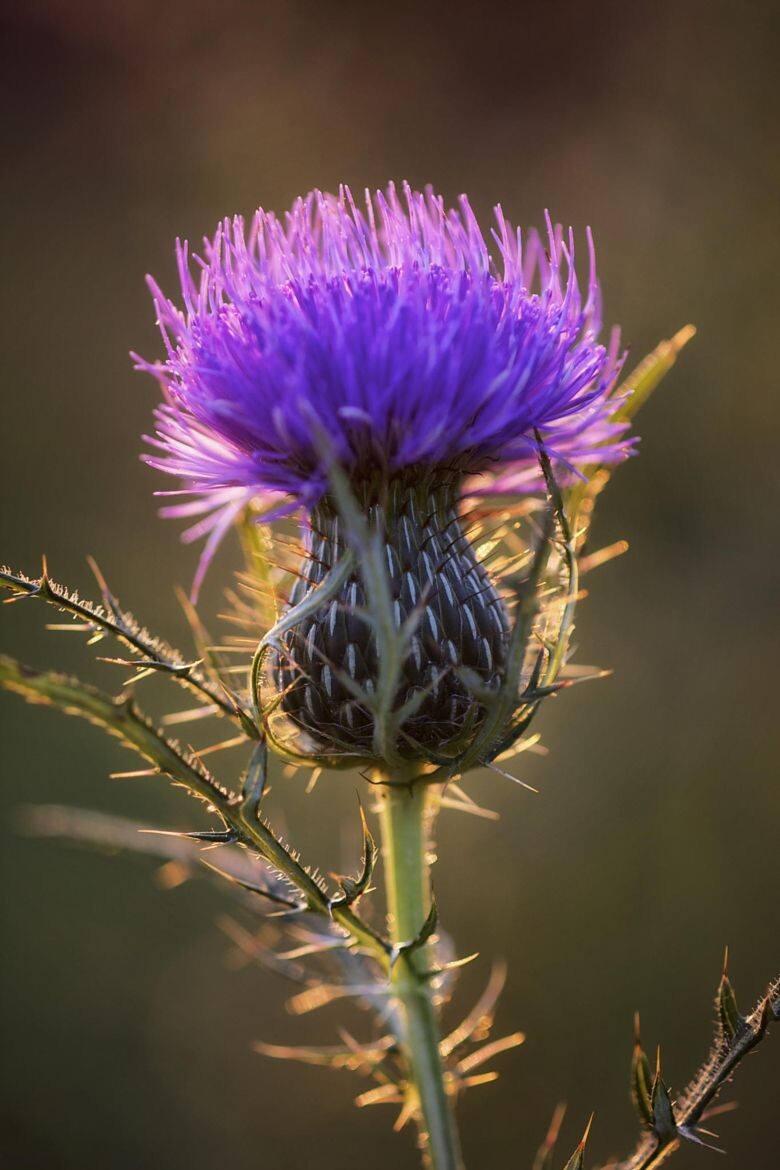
(405, 815)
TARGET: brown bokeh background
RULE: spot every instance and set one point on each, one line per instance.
(126, 1034)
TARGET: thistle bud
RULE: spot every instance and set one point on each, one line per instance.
(441, 596)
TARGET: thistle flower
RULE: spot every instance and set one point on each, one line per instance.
(389, 342)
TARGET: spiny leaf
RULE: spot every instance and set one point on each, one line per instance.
(254, 783)
(729, 1017)
(354, 888)
(664, 1123)
(671, 1125)
(641, 382)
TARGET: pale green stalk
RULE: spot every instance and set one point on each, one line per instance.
(406, 811)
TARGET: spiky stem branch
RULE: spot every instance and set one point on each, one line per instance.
(406, 812)
(669, 1124)
(241, 814)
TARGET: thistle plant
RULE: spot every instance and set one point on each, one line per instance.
(408, 423)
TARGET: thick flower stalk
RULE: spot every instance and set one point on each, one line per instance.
(408, 422)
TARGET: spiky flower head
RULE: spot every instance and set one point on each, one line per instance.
(391, 340)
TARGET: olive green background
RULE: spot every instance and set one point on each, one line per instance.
(126, 1030)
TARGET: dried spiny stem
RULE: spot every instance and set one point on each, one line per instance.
(120, 717)
(669, 1123)
(311, 954)
(239, 813)
(153, 654)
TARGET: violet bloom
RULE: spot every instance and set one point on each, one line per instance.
(425, 360)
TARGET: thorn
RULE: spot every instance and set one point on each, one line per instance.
(351, 1056)
(408, 1112)
(488, 1051)
(219, 747)
(102, 584)
(468, 806)
(136, 678)
(453, 965)
(576, 1161)
(321, 994)
(508, 775)
(692, 1135)
(189, 715)
(248, 724)
(312, 782)
(487, 1078)
(44, 585)
(213, 837)
(254, 783)
(596, 559)
(389, 1094)
(479, 1021)
(251, 887)
(69, 627)
(426, 932)
(97, 574)
(109, 600)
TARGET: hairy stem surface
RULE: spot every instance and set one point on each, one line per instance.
(405, 815)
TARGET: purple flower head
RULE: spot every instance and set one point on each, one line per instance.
(391, 335)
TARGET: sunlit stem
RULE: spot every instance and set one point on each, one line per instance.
(406, 815)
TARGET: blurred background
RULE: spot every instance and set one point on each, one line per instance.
(126, 1027)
